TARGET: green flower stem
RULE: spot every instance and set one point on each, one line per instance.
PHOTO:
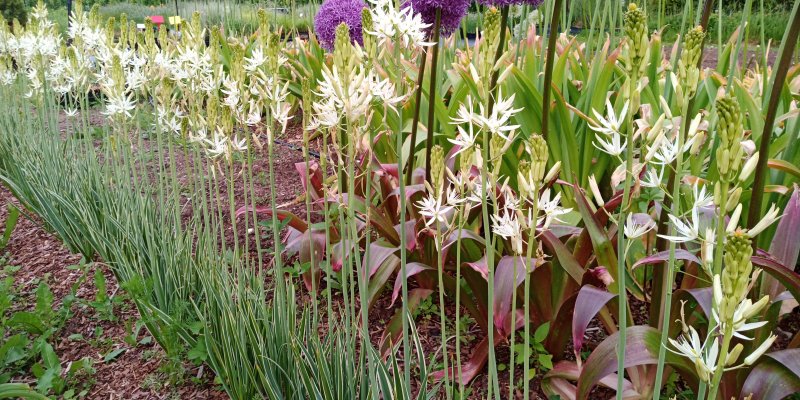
(723, 354)
(670, 271)
(548, 68)
(442, 321)
(621, 243)
(459, 223)
(532, 244)
(725, 186)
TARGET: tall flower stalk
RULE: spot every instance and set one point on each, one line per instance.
(636, 47)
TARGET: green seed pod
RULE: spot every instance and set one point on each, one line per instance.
(635, 24)
(731, 132)
(537, 147)
(263, 24)
(110, 28)
(342, 48)
(370, 46)
(736, 274)
(692, 45)
(491, 39)
(94, 14)
(123, 29)
(497, 146)
(437, 169)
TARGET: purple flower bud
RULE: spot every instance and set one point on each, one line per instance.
(453, 11)
(332, 13)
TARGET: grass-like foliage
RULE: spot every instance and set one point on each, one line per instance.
(505, 188)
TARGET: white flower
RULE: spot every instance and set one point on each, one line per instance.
(433, 210)
(551, 208)
(701, 197)
(239, 145)
(119, 105)
(614, 146)
(757, 353)
(686, 232)
(772, 215)
(71, 112)
(610, 126)
(703, 355)
(255, 61)
(465, 139)
(635, 229)
(390, 24)
(652, 178)
(508, 227)
(218, 146)
(667, 150)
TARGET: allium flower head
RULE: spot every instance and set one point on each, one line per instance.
(334, 12)
(453, 11)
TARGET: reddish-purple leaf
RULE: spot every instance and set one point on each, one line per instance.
(663, 256)
(557, 382)
(509, 275)
(589, 302)
(641, 348)
(314, 181)
(785, 246)
(411, 270)
(603, 248)
(480, 267)
(377, 281)
(776, 376)
(411, 234)
(565, 258)
(478, 359)
(378, 253)
(784, 275)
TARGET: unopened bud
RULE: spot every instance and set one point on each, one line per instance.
(748, 168)
(734, 354)
(757, 353)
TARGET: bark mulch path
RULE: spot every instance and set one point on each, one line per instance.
(142, 371)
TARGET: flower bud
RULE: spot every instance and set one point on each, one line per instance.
(748, 168)
(754, 356)
(553, 172)
(598, 197)
(734, 354)
(524, 178)
(733, 199)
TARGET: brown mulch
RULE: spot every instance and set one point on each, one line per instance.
(138, 372)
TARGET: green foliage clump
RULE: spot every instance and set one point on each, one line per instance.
(14, 9)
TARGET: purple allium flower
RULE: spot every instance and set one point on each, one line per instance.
(453, 11)
(503, 3)
(332, 13)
